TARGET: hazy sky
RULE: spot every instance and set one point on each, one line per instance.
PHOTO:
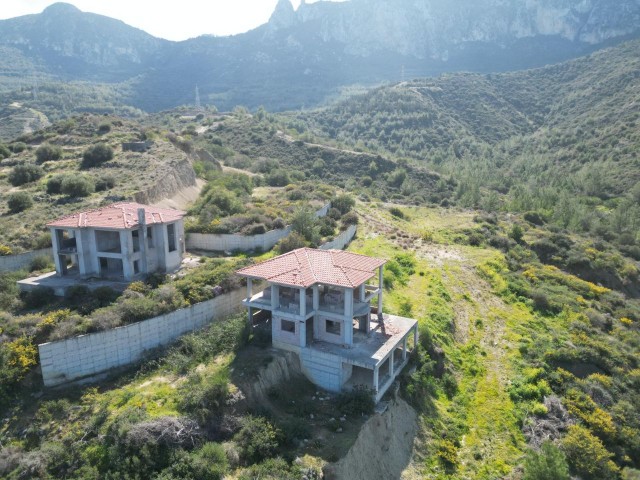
(171, 19)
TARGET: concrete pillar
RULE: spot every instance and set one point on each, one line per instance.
(375, 379)
(84, 267)
(415, 337)
(57, 258)
(381, 287)
(142, 239)
(126, 247)
(404, 348)
(348, 316)
(316, 298)
(249, 288)
(275, 297)
(303, 302)
(391, 363)
(303, 333)
(362, 292)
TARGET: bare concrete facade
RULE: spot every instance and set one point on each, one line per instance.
(341, 343)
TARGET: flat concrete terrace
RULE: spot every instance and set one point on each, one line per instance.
(376, 357)
(61, 284)
(371, 349)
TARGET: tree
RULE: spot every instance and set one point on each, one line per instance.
(96, 154)
(549, 463)
(516, 233)
(22, 174)
(77, 186)
(304, 222)
(344, 203)
(587, 456)
(47, 152)
(19, 202)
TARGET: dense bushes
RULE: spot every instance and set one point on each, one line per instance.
(96, 155)
(47, 152)
(549, 463)
(19, 201)
(257, 439)
(76, 186)
(26, 173)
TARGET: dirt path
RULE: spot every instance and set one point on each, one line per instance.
(183, 198)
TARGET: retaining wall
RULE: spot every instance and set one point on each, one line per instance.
(230, 242)
(341, 240)
(96, 353)
(10, 263)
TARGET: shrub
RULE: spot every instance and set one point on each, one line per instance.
(203, 396)
(19, 202)
(106, 182)
(41, 262)
(18, 147)
(257, 439)
(77, 186)
(104, 127)
(549, 463)
(38, 297)
(22, 174)
(96, 154)
(4, 151)
(344, 203)
(534, 218)
(356, 402)
(47, 152)
(278, 178)
(5, 250)
(350, 218)
(587, 456)
(516, 233)
(396, 212)
(305, 223)
(54, 184)
(208, 462)
(291, 242)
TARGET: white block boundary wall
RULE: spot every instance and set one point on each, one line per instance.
(341, 240)
(230, 242)
(9, 263)
(89, 355)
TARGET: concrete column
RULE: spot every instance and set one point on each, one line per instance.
(391, 363)
(275, 297)
(415, 337)
(316, 298)
(56, 256)
(249, 288)
(404, 348)
(83, 267)
(303, 333)
(348, 316)
(142, 239)
(375, 379)
(303, 302)
(362, 292)
(126, 247)
(380, 287)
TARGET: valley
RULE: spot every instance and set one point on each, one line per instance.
(506, 204)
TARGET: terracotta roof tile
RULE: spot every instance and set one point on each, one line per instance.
(307, 266)
(118, 216)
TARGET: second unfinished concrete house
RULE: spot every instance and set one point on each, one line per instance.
(320, 303)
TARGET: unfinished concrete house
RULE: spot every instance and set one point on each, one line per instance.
(122, 242)
(320, 305)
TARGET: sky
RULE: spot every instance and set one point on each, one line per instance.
(173, 20)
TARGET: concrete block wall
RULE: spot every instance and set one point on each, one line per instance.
(228, 242)
(322, 369)
(9, 263)
(96, 353)
(341, 240)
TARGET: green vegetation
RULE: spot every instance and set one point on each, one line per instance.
(96, 155)
(19, 202)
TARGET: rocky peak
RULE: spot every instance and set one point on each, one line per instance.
(284, 16)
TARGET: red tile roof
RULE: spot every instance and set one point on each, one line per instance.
(307, 266)
(119, 216)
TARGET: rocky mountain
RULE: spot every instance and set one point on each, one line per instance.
(300, 57)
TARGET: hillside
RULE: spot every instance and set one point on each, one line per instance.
(301, 58)
(560, 140)
(158, 173)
